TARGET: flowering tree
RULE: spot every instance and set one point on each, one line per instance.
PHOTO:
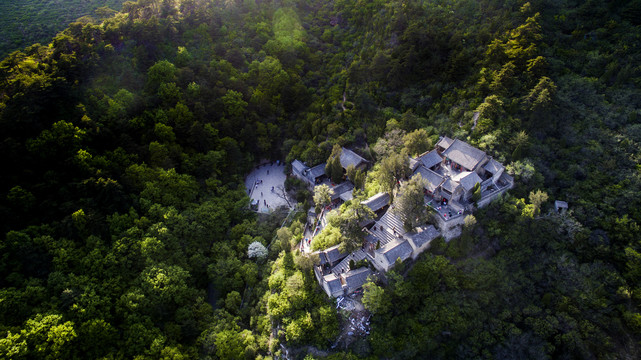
(257, 250)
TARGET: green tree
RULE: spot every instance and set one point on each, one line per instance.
(476, 193)
(391, 143)
(234, 104)
(537, 198)
(410, 204)
(352, 215)
(375, 299)
(63, 140)
(333, 168)
(417, 142)
(541, 96)
(159, 73)
(330, 236)
(322, 196)
(520, 142)
(21, 198)
(392, 170)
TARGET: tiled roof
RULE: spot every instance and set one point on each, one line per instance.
(349, 195)
(467, 180)
(493, 166)
(445, 142)
(323, 258)
(377, 201)
(343, 266)
(341, 188)
(356, 278)
(348, 157)
(450, 185)
(433, 179)
(398, 248)
(389, 221)
(333, 255)
(423, 237)
(430, 159)
(317, 171)
(333, 282)
(464, 154)
(298, 166)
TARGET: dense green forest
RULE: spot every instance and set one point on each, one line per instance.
(125, 223)
(26, 22)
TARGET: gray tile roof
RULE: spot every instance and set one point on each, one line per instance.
(356, 278)
(348, 157)
(493, 166)
(421, 238)
(333, 283)
(398, 248)
(342, 188)
(450, 185)
(298, 166)
(464, 154)
(343, 266)
(377, 201)
(349, 195)
(317, 171)
(468, 179)
(445, 142)
(333, 255)
(430, 159)
(323, 258)
(433, 179)
(389, 221)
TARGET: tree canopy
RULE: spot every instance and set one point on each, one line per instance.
(126, 230)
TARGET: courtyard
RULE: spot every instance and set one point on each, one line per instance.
(265, 187)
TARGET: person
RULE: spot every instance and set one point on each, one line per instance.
(261, 194)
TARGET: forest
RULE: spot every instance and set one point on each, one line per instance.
(125, 222)
(26, 22)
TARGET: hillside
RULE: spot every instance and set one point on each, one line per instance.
(125, 223)
(26, 22)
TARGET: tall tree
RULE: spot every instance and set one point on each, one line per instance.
(333, 168)
(417, 142)
(353, 215)
(393, 169)
(410, 204)
(322, 196)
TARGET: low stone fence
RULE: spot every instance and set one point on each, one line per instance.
(488, 198)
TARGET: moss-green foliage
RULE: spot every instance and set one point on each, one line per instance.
(124, 146)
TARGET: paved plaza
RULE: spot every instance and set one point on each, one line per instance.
(261, 181)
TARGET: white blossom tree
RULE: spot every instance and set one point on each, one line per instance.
(257, 250)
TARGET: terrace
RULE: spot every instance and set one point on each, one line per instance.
(449, 211)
